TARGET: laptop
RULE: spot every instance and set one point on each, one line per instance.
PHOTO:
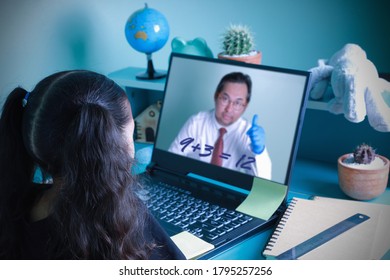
(181, 182)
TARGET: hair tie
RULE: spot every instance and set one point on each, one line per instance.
(25, 99)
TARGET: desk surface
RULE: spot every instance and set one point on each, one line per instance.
(309, 178)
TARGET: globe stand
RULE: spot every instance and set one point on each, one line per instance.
(150, 73)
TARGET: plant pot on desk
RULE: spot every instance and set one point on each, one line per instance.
(362, 183)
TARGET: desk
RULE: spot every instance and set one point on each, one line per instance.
(308, 178)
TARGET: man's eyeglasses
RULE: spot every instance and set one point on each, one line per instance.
(225, 100)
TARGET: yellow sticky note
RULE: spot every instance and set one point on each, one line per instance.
(191, 245)
(264, 199)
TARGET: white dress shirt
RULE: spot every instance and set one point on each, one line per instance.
(198, 135)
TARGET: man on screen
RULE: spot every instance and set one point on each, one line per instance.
(222, 136)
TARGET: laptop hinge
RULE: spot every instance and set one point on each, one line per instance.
(225, 194)
(218, 183)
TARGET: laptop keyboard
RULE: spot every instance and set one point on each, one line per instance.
(177, 207)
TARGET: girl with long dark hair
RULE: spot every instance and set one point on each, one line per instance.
(76, 129)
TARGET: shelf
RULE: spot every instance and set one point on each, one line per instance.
(127, 77)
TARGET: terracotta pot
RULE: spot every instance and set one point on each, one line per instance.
(254, 59)
(362, 184)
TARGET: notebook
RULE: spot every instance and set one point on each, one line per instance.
(225, 198)
(317, 229)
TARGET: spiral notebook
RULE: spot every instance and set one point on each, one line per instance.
(320, 229)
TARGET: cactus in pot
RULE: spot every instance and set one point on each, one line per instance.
(237, 40)
(363, 174)
(238, 44)
(364, 154)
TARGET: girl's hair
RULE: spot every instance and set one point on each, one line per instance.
(72, 128)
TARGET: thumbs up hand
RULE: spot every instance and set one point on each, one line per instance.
(257, 136)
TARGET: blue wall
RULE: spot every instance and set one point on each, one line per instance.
(43, 36)
(325, 137)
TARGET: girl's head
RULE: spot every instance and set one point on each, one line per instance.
(78, 127)
(79, 108)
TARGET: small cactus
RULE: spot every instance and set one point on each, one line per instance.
(364, 154)
(237, 40)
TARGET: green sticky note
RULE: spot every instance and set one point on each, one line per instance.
(264, 199)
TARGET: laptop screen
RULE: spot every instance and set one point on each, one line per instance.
(194, 109)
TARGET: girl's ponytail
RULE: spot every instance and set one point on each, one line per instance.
(16, 173)
(97, 184)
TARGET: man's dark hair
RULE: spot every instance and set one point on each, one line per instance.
(235, 77)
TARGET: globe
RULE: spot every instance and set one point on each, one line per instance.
(147, 31)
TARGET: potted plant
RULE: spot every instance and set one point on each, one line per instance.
(238, 44)
(363, 174)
